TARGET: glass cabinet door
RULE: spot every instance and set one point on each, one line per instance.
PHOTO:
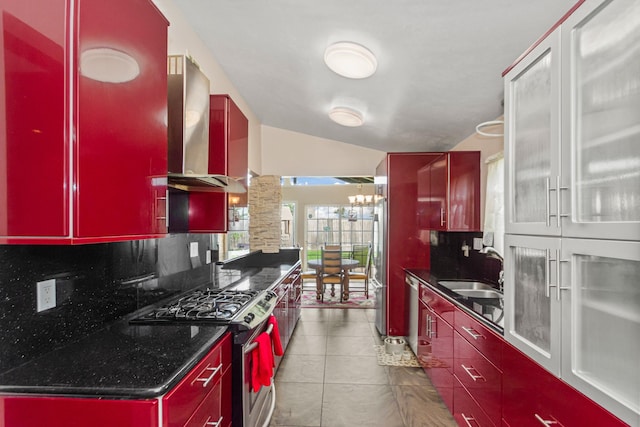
(601, 121)
(601, 322)
(532, 144)
(532, 307)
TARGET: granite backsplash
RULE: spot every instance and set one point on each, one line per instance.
(95, 285)
(448, 260)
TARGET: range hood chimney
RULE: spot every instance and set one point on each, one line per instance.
(188, 126)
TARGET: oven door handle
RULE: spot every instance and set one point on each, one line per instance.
(254, 344)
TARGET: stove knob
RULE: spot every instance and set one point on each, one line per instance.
(249, 317)
(268, 297)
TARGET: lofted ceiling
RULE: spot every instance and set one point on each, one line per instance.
(439, 62)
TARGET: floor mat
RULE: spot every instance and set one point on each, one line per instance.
(407, 359)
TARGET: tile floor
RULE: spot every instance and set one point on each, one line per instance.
(330, 377)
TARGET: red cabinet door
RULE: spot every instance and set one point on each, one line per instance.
(438, 176)
(121, 148)
(481, 379)
(467, 412)
(408, 247)
(181, 402)
(64, 412)
(34, 167)
(86, 139)
(532, 395)
(449, 192)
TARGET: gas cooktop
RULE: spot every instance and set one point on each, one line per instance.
(213, 306)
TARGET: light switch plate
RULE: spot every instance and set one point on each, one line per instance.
(477, 243)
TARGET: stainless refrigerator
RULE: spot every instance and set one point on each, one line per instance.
(379, 279)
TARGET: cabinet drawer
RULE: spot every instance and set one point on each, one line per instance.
(181, 402)
(467, 412)
(481, 379)
(211, 410)
(438, 304)
(488, 342)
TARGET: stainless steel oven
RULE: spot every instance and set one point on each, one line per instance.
(257, 407)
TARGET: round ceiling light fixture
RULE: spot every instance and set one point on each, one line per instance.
(350, 60)
(346, 116)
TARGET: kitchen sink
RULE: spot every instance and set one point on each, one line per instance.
(478, 293)
(456, 285)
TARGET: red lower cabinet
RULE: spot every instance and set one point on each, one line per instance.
(66, 412)
(532, 397)
(203, 385)
(481, 379)
(467, 412)
(202, 396)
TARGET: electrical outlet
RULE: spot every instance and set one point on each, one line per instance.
(45, 295)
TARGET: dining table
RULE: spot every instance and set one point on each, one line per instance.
(346, 265)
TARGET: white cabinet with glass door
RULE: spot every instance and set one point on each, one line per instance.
(573, 306)
(572, 298)
(601, 121)
(532, 140)
(600, 304)
(532, 304)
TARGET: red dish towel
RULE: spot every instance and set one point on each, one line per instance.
(275, 336)
(262, 362)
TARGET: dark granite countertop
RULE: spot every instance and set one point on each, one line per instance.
(489, 311)
(124, 360)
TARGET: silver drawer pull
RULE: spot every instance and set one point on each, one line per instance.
(474, 334)
(467, 420)
(214, 424)
(206, 381)
(546, 422)
(473, 377)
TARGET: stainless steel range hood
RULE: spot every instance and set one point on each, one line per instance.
(188, 125)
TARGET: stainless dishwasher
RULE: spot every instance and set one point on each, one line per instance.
(412, 338)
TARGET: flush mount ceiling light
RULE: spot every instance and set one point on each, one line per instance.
(346, 116)
(350, 60)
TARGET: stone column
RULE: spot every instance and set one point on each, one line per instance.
(265, 201)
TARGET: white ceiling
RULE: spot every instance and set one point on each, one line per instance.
(439, 62)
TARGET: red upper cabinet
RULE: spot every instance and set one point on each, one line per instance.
(228, 155)
(449, 192)
(84, 104)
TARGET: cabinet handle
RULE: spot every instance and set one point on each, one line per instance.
(473, 377)
(467, 420)
(547, 279)
(548, 191)
(432, 333)
(206, 381)
(559, 275)
(546, 422)
(211, 423)
(559, 200)
(442, 220)
(474, 334)
(427, 325)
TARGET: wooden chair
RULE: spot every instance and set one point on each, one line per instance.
(308, 276)
(362, 276)
(331, 272)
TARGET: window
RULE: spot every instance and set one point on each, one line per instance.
(342, 225)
